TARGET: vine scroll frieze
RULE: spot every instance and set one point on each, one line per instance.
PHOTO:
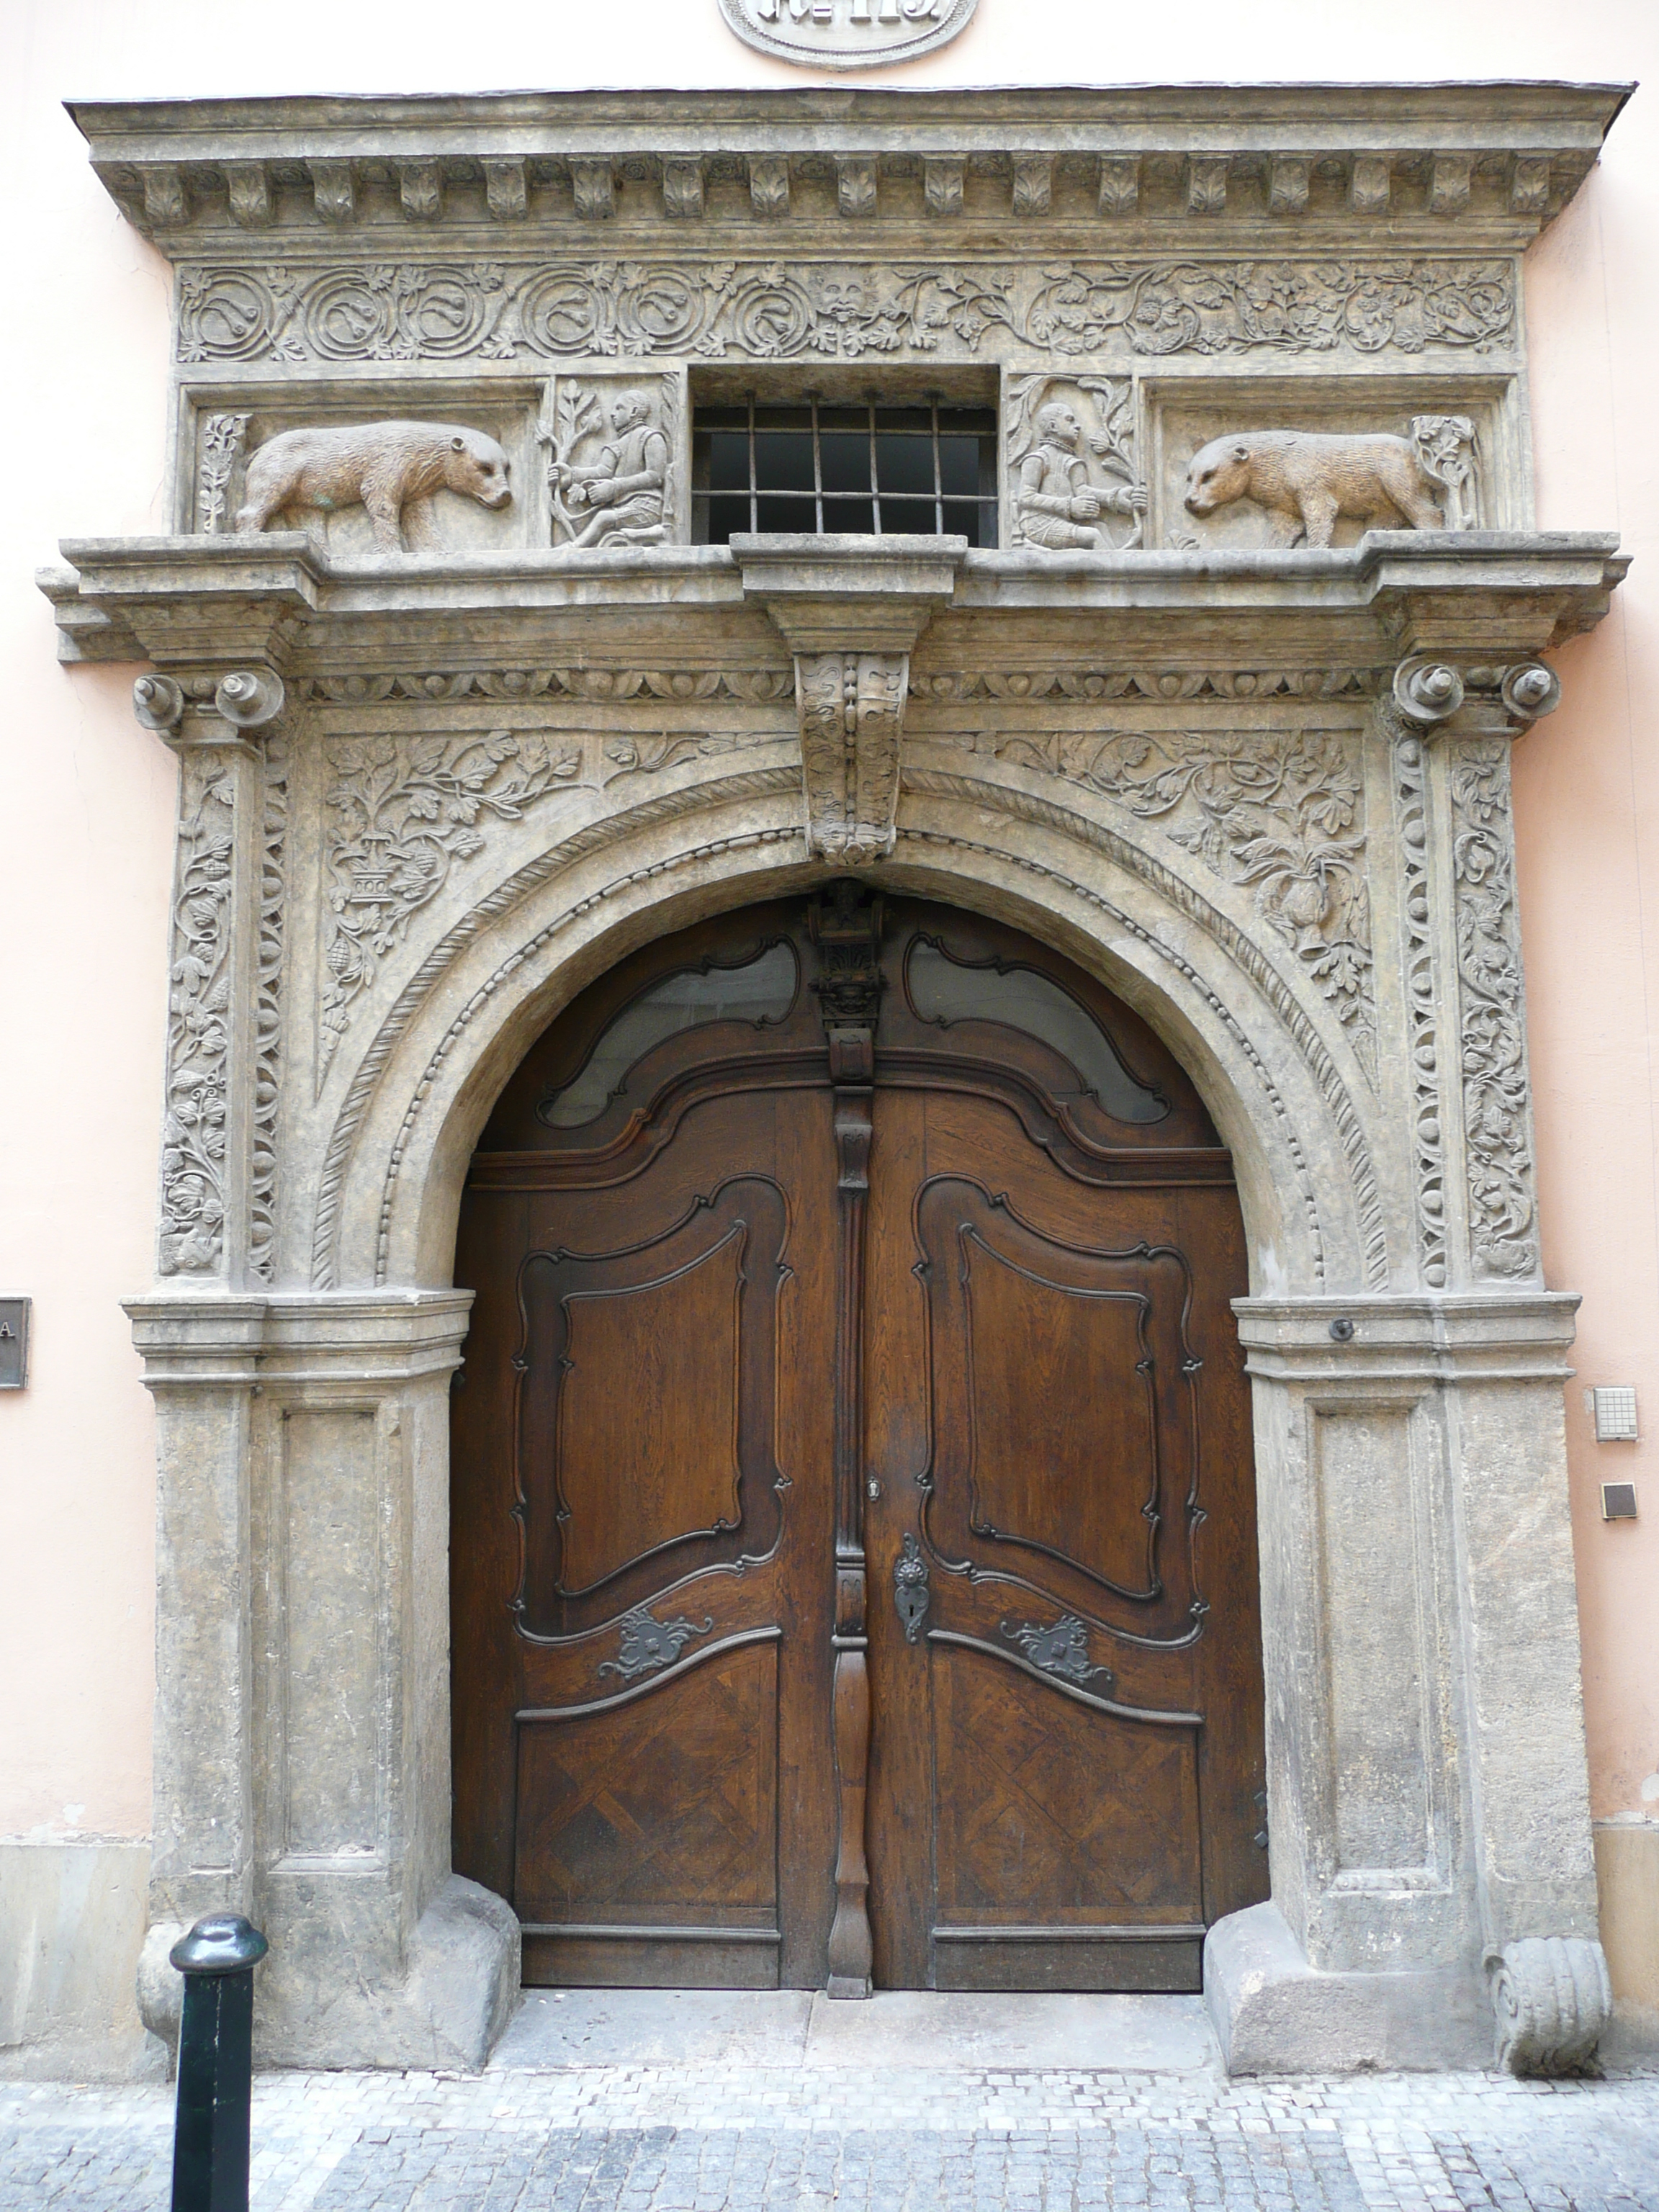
(1280, 812)
(400, 816)
(841, 311)
(194, 1126)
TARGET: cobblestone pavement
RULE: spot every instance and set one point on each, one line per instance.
(705, 2137)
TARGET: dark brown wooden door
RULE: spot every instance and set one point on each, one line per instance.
(852, 1399)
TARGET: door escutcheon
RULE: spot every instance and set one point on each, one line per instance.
(910, 1591)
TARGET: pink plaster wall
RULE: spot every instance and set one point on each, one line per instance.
(85, 799)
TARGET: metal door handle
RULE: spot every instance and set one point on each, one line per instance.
(911, 1596)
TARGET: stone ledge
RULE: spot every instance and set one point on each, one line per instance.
(209, 601)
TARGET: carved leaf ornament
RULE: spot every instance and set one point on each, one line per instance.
(400, 818)
(772, 310)
(1280, 812)
(192, 1231)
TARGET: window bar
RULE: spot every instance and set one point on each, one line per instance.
(754, 481)
(817, 470)
(938, 466)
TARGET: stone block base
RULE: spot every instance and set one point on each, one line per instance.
(315, 2006)
(1274, 2013)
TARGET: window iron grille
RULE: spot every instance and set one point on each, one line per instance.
(867, 470)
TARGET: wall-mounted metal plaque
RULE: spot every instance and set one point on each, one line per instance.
(14, 1343)
(847, 33)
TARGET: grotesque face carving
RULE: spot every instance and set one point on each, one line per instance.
(840, 294)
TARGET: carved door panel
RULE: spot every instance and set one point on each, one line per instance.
(852, 1400)
(640, 1576)
(1065, 1650)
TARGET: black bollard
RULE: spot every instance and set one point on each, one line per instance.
(216, 2062)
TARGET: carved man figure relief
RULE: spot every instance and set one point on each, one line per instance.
(621, 500)
(1056, 504)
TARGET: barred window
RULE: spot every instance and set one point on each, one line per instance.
(867, 469)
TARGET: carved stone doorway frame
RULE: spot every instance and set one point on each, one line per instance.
(1263, 794)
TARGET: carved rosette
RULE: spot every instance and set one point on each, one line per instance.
(1553, 2002)
(851, 717)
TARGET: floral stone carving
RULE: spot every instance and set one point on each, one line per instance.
(399, 819)
(392, 470)
(1281, 811)
(192, 1231)
(1496, 1115)
(775, 311)
(1066, 472)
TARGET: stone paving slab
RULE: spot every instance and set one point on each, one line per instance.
(710, 2136)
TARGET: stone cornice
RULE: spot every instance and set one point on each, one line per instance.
(213, 604)
(1420, 167)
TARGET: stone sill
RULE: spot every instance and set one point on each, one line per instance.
(205, 602)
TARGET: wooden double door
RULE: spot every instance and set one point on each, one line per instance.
(853, 1556)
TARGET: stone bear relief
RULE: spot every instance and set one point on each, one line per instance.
(392, 471)
(610, 462)
(1071, 465)
(1307, 481)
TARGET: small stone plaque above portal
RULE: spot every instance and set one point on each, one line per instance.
(847, 33)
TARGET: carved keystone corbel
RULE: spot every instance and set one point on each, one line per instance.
(850, 610)
(852, 716)
(1553, 2002)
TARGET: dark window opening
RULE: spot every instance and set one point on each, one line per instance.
(869, 469)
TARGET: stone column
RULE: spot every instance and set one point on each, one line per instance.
(302, 1722)
(1433, 1880)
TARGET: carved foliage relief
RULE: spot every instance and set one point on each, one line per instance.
(771, 310)
(1281, 811)
(399, 816)
(1422, 1005)
(1502, 1239)
(193, 1139)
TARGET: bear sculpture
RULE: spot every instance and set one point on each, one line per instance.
(1305, 479)
(392, 470)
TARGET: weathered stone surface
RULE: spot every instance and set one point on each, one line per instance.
(1263, 794)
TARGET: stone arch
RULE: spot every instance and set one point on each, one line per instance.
(391, 1180)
